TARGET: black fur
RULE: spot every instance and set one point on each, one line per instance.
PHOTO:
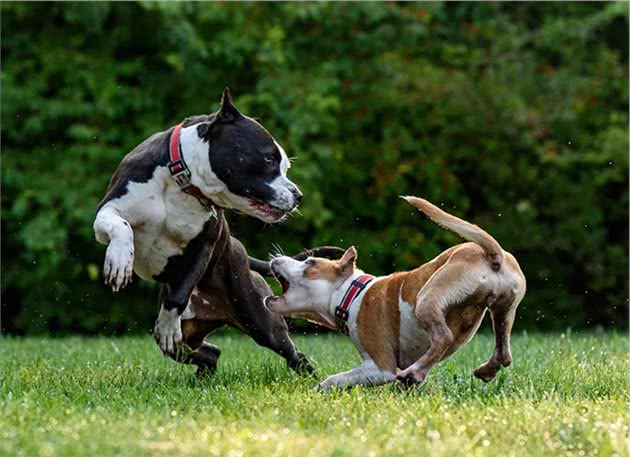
(242, 153)
(138, 166)
(182, 272)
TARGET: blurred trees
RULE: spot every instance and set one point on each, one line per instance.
(512, 115)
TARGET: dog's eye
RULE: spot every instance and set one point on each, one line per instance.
(309, 262)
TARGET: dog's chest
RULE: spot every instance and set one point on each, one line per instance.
(164, 221)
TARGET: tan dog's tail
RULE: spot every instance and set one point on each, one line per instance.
(466, 230)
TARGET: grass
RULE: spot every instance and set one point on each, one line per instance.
(564, 395)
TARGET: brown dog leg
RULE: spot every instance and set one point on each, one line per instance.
(194, 350)
(502, 320)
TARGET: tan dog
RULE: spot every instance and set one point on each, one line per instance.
(408, 320)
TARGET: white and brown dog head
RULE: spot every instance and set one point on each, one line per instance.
(308, 286)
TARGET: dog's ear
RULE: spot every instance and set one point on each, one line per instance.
(228, 112)
(348, 259)
(226, 115)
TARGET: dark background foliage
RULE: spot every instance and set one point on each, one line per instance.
(512, 115)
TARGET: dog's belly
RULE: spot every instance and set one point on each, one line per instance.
(463, 321)
(414, 340)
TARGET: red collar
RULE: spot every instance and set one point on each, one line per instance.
(343, 309)
(180, 172)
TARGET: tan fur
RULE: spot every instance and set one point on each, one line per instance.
(416, 279)
(449, 297)
(466, 230)
(378, 321)
(323, 269)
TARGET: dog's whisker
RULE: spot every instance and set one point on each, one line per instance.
(278, 249)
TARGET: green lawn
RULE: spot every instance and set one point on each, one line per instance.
(564, 395)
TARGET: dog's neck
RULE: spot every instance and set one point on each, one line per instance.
(325, 315)
(337, 296)
(195, 152)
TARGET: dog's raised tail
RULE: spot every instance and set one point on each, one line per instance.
(468, 231)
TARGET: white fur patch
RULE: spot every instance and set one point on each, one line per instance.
(283, 197)
(163, 219)
(285, 163)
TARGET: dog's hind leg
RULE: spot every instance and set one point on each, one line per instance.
(433, 320)
(503, 312)
(271, 330)
(268, 329)
(194, 350)
(450, 285)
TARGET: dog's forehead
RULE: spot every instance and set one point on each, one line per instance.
(320, 268)
(252, 133)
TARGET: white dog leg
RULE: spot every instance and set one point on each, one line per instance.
(113, 230)
(366, 374)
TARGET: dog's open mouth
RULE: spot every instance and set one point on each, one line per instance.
(266, 210)
(284, 282)
(274, 301)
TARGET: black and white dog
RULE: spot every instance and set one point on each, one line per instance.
(162, 217)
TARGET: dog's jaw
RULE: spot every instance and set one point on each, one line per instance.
(276, 304)
(267, 213)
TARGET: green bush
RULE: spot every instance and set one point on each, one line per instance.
(512, 115)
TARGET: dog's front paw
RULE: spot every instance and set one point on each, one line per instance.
(168, 330)
(118, 267)
(322, 387)
(301, 365)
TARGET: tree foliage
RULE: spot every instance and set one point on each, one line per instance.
(512, 115)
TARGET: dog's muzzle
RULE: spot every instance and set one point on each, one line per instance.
(287, 196)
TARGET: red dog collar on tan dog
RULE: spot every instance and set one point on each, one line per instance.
(342, 311)
(180, 172)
